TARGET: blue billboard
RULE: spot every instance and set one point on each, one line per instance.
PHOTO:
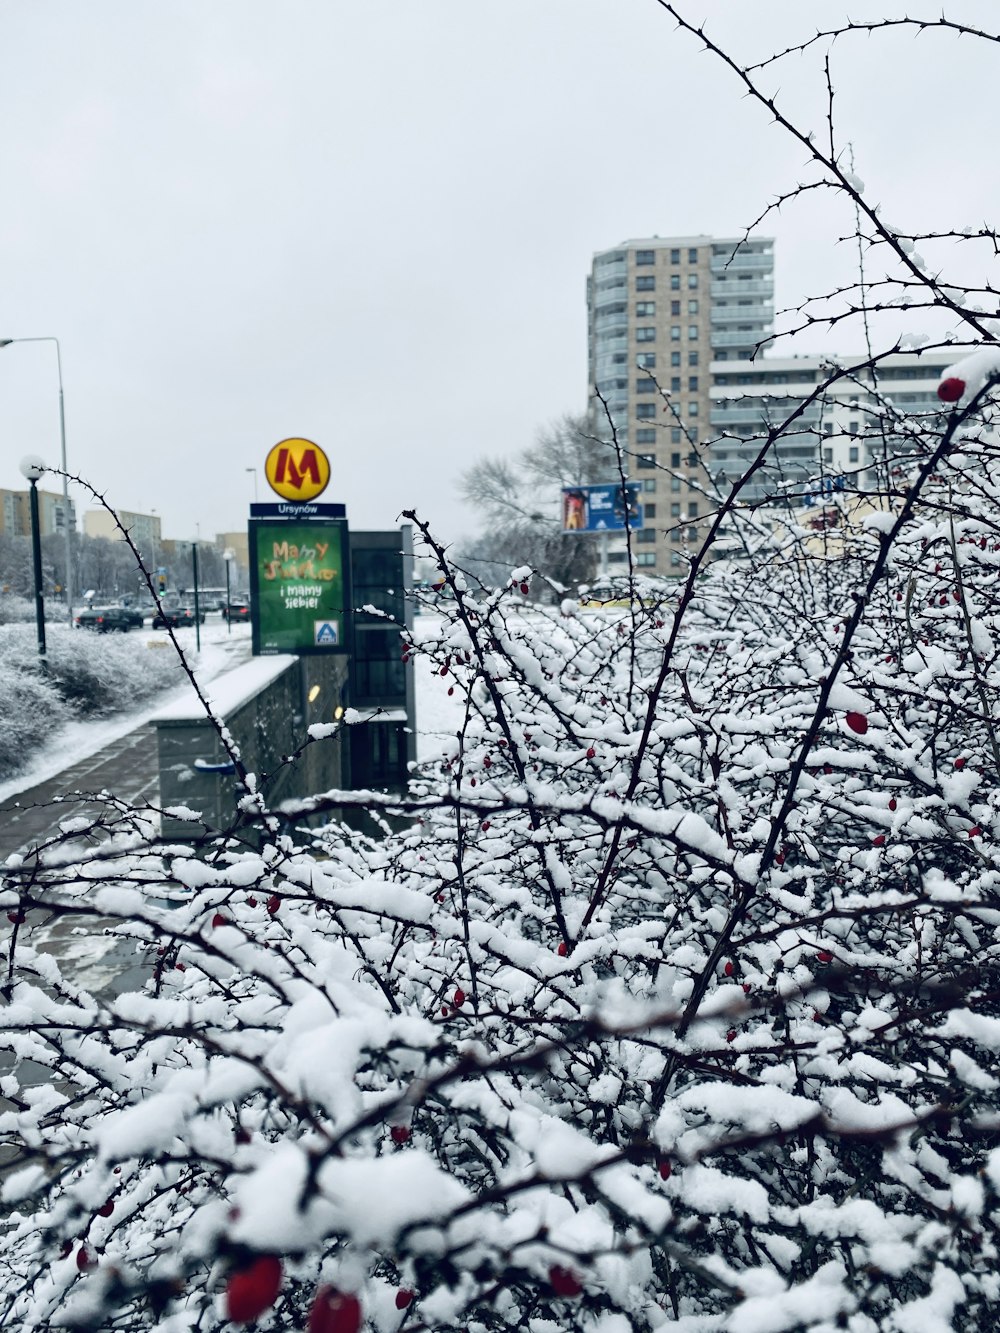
(602, 508)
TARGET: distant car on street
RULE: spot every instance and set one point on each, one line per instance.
(236, 611)
(105, 619)
(177, 617)
(136, 619)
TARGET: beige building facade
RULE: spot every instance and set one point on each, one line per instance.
(15, 513)
(659, 312)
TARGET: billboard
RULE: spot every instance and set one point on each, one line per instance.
(299, 586)
(601, 508)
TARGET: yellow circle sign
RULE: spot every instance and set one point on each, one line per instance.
(297, 470)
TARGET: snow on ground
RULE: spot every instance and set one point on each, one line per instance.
(438, 715)
(220, 652)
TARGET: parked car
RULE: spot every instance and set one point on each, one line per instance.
(236, 611)
(105, 619)
(176, 617)
(136, 619)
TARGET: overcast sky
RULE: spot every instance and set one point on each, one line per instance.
(370, 223)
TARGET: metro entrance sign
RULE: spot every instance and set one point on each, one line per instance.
(297, 470)
(299, 559)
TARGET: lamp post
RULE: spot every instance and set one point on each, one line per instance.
(6, 342)
(229, 555)
(254, 471)
(32, 468)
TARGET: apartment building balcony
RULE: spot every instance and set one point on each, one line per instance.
(747, 338)
(742, 262)
(730, 288)
(754, 415)
(729, 314)
(616, 322)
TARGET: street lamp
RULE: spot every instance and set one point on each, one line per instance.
(229, 555)
(6, 342)
(254, 471)
(32, 468)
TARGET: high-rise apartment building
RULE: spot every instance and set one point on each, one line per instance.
(15, 513)
(659, 312)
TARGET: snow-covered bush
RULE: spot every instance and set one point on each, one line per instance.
(85, 675)
(674, 1005)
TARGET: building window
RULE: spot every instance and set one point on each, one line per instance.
(692, 508)
(692, 256)
(852, 429)
(675, 509)
(852, 454)
(722, 356)
(645, 256)
(692, 460)
(675, 282)
(645, 460)
(675, 485)
(645, 282)
(692, 332)
(692, 279)
(646, 558)
(675, 256)
(675, 437)
(646, 333)
(675, 358)
(827, 427)
(827, 455)
(692, 384)
(646, 535)
(692, 409)
(675, 333)
(645, 309)
(675, 384)
(645, 385)
(675, 307)
(693, 306)
(645, 411)
(645, 435)
(675, 557)
(649, 511)
(693, 358)
(692, 534)
(647, 360)
(649, 484)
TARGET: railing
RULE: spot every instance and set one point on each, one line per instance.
(734, 287)
(759, 311)
(747, 338)
(743, 263)
(607, 323)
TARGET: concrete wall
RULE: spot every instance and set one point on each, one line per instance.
(266, 708)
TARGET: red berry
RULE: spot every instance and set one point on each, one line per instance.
(251, 901)
(747, 988)
(15, 917)
(892, 802)
(242, 1134)
(82, 1258)
(220, 920)
(591, 752)
(731, 1035)
(487, 762)
(857, 722)
(524, 589)
(975, 831)
(252, 1290)
(485, 825)
(273, 903)
(730, 968)
(960, 763)
(951, 389)
(458, 999)
(334, 1311)
(404, 1297)
(564, 1282)
(664, 1168)
(562, 951)
(106, 1209)
(399, 1134)
(179, 967)
(879, 840)
(824, 956)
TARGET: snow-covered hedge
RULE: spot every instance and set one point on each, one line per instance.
(673, 1006)
(86, 675)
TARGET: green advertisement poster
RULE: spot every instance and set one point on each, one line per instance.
(299, 586)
